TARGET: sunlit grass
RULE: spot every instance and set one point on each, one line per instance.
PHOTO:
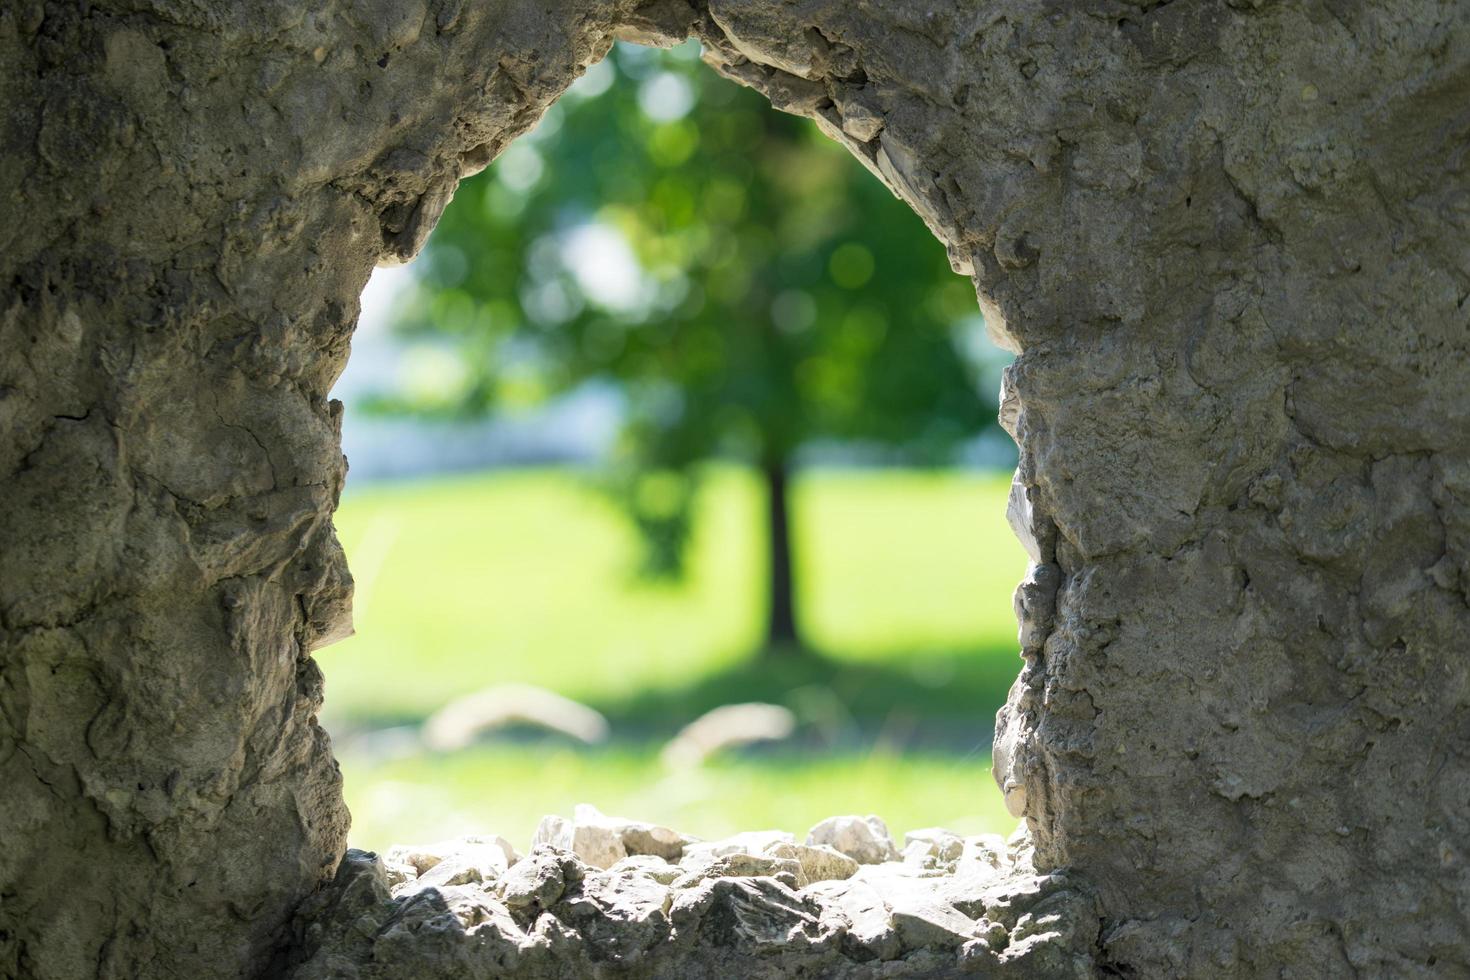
(507, 789)
(468, 581)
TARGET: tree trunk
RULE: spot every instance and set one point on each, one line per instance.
(783, 637)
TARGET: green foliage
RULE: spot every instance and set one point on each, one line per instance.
(744, 283)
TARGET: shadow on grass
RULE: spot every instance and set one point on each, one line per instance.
(929, 697)
(934, 700)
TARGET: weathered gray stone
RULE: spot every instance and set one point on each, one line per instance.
(745, 842)
(621, 917)
(551, 915)
(758, 915)
(1005, 752)
(817, 863)
(603, 841)
(933, 847)
(475, 865)
(864, 839)
(788, 871)
(1226, 240)
(869, 931)
(422, 858)
(537, 880)
(599, 844)
(989, 850)
(650, 866)
(918, 907)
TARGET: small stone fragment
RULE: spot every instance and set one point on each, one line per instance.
(933, 847)
(537, 880)
(399, 873)
(423, 857)
(746, 842)
(652, 840)
(785, 870)
(920, 909)
(860, 120)
(597, 844)
(864, 839)
(870, 931)
(620, 914)
(602, 841)
(818, 863)
(756, 915)
(649, 865)
(471, 864)
(983, 858)
(977, 955)
(930, 923)
(993, 934)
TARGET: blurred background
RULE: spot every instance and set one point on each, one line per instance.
(676, 488)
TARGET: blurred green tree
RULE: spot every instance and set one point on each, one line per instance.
(747, 286)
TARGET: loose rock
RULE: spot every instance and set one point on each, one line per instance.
(864, 839)
(450, 862)
(747, 842)
(788, 871)
(818, 863)
(538, 880)
(602, 841)
(755, 905)
(932, 847)
(649, 865)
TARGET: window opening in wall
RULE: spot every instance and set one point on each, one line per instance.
(679, 412)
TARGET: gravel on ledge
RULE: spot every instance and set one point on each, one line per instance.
(604, 897)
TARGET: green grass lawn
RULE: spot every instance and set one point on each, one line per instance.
(527, 576)
(904, 586)
(506, 789)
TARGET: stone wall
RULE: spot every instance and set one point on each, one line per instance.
(1227, 239)
(607, 897)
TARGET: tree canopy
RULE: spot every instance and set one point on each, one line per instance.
(746, 286)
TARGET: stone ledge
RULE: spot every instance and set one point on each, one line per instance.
(592, 899)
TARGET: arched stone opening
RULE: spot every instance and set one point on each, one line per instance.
(893, 602)
(1224, 237)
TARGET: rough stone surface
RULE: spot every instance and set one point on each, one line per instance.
(1226, 238)
(603, 841)
(468, 860)
(933, 847)
(817, 863)
(745, 842)
(423, 858)
(784, 869)
(741, 914)
(864, 839)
